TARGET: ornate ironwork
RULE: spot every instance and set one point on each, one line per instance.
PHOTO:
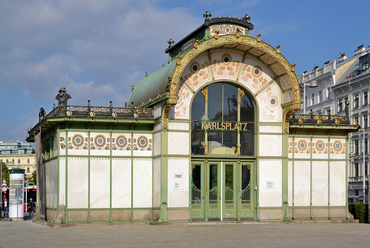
(312, 119)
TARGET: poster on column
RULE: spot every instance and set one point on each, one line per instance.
(40, 170)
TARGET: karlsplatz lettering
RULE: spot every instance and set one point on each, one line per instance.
(224, 126)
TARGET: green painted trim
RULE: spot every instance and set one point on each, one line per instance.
(263, 133)
(329, 177)
(100, 120)
(181, 120)
(179, 208)
(311, 213)
(285, 176)
(66, 192)
(270, 124)
(132, 176)
(153, 176)
(178, 131)
(58, 182)
(282, 208)
(318, 159)
(104, 156)
(110, 178)
(88, 177)
(347, 168)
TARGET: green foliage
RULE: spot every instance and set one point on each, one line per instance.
(359, 211)
(33, 178)
(5, 174)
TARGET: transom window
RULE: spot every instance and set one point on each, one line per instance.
(222, 121)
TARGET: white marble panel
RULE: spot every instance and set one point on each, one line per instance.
(62, 143)
(56, 144)
(270, 145)
(178, 126)
(338, 183)
(290, 183)
(320, 148)
(157, 182)
(121, 183)
(271, 129)
(77, 182)
(62, 181)
(47, 183)
(157, 111)
(55, 183)
(97, 148)
(290, 147)
(269, 102)
(178, 188)
(320, 183)
(143, 144)
(121, 144)
(157, 143)
(99, 182)
(337, 148)
(302, 147)
(142, 183)
(302, 183)
(178, 143)
(75, 148)
(157, 126)
(270, 182)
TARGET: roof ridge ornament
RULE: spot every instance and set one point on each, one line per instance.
(207, 15)
(170, 42)
(247, 18)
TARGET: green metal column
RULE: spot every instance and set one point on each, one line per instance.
(285, 177)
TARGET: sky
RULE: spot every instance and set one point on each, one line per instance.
(98, 49)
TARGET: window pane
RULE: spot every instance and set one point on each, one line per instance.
(215, 102)
(231, 103)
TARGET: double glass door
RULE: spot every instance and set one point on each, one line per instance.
(222, 190)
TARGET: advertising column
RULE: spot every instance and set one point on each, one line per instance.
(16, 189)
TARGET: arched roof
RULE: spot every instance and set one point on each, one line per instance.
(168, 78)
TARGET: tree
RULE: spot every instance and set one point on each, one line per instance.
(5, 174)
(33, 178)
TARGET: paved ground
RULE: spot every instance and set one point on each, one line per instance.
(29, 234)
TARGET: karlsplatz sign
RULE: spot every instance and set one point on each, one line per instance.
(224, 126)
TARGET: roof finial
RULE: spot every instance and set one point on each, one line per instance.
(207, 15)
(247, 18)
(170, 42)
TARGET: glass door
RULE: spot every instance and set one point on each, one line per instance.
(213, 191)
(197, 190)
(229, 186)
(246, 192)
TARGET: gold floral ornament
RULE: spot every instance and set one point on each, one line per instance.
(78, 140)
(92, 114)
(100, 141)
(69, 113)
(114, 115)
(319, 122)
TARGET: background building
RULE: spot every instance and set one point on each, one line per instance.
(16, 154)
(340, 82)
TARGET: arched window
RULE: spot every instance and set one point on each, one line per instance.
(222, 121)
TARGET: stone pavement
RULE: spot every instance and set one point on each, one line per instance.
(245, 234)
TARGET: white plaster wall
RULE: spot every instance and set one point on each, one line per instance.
(77, 182)
(157, 111)
(302, 188)
(157, 127)
(320, 183)
(99, 183)
(271, 129)
(157, 143)
(290, 183)
(178, 197)
(157, 182)
(62, 181)
(270, 145)
(121, 183)
(178, 143)
(178, 126)
(338, 183)
(55, 182)
(100, 151)
(142, 183)
(121, 151)
(270, 170)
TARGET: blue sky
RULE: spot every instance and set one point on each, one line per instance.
(98, 49)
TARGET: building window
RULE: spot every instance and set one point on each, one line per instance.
(19, 161)
(28, 169)
(340, 105)
(320, 96)
(366, 146)
(365, 121)
(7, 161)
(356, 170)
(28, 161)
(365, 98)
(356, 146)
(357, 192)
(13, 161)
(355, 102)
(356, 121)
(366, 169)
(328, 92)
(313, 99)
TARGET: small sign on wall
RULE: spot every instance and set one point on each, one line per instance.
(270, 184)
(178, 182)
